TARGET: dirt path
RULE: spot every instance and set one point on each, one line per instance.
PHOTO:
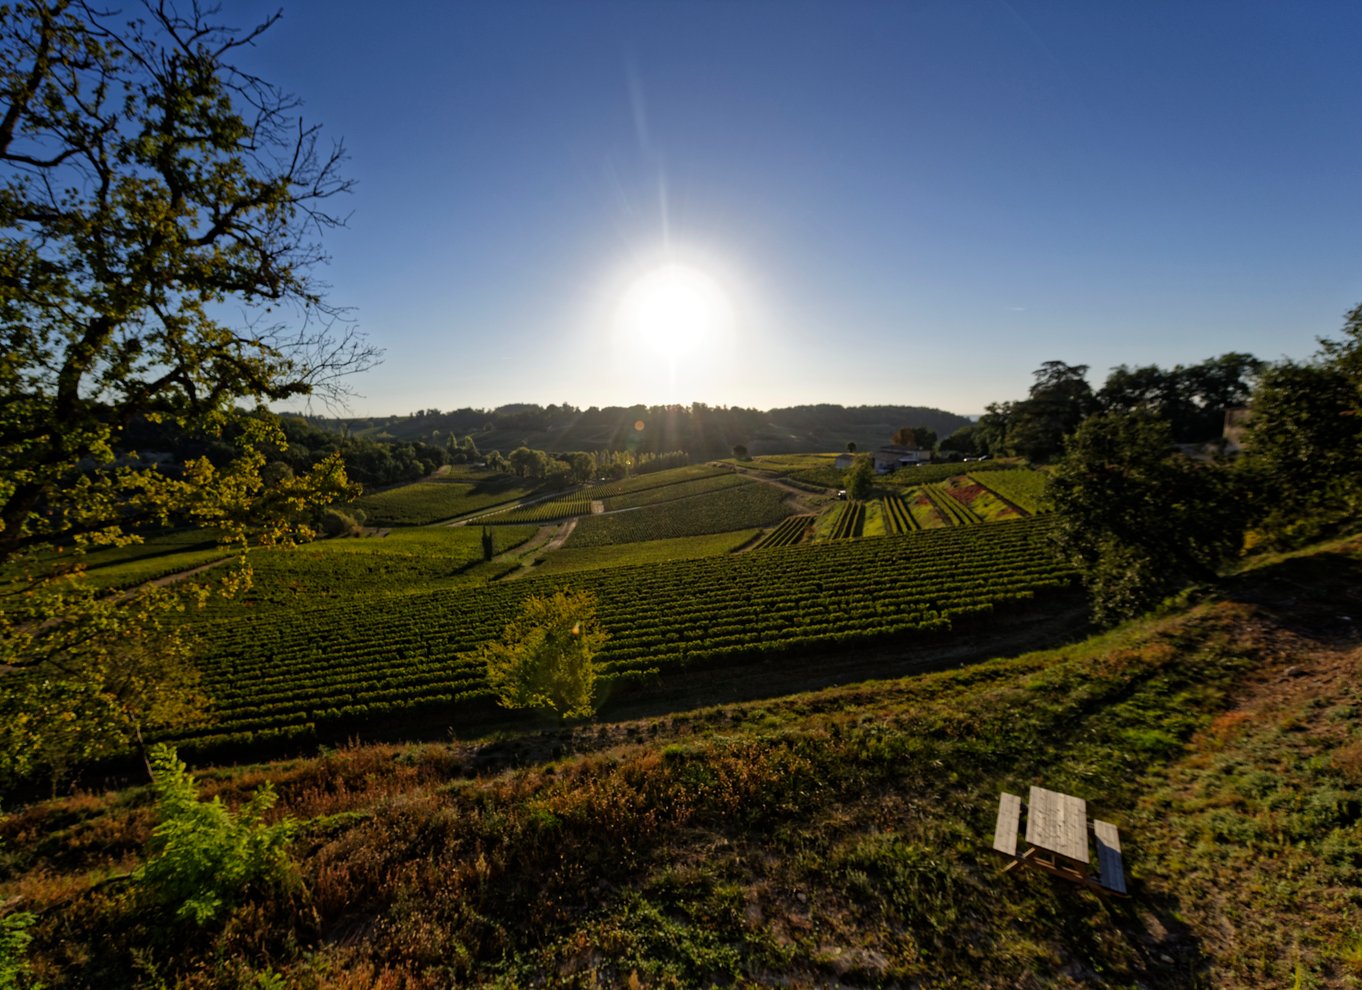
(546, 540)
(184, 575)
(802, 498)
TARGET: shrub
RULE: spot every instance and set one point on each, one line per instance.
(203, 857)
(14, 939)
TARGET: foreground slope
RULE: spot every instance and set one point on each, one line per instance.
(831, 839)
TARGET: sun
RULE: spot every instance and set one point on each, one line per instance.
(674, 310)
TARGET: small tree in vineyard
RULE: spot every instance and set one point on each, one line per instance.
(544, 658)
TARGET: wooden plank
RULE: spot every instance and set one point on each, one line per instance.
(1058, 823)
(1111, 873)
(1009, 820)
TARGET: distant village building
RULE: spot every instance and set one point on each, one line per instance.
(891, 457)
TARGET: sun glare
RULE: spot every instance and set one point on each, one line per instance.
(674, 310)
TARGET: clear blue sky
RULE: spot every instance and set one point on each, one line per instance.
(912, 202)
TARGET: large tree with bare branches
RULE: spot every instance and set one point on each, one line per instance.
(161, 217)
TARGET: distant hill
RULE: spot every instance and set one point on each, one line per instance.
(703, 431)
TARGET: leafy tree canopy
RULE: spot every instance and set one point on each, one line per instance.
(149, 188)
(1136, 518)
(1304, 438)
(860, 477)
(544, 658)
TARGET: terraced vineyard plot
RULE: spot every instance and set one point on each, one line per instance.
(1022, 487)
(923, 510)
(788, 533)
(342, 570)
(656, 479)
(674, 491)
(850, 518)
(748, 505)
(951, 509)
(541, 512)
(567, 559)
(383, 655)
(815, 470)
(925, 474)
(898, 517)
(979, 501)
(424, 502)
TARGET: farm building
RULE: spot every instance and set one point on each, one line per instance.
(888, 458)
(891, 457)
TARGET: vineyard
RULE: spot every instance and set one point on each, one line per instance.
(746, 505)
(290, 671)
(657, 479)
(676, 490)
(950, 508)
(434, 499)
(847, 524)
(568, 559)
(898, 517)
(811, 470)
(925, 474)
(341, 570)
(541, 512)
(1022, 487)
(788, 533)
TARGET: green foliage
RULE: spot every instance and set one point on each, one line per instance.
(203, 858)
(742, 506)
(440, 498)
(1193, 399)
(396, 648)
(148, 188)
(1304, 440)
(14, 943)
(1022, 487)
(860, 477)
(1035, 428)
(545, 656)
(335, 522)
(1136, 519)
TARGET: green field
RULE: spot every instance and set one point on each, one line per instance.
(441, 497)
(569, 559)
(307, 663)
(416, 559)
(745, 506)
(1023, 487)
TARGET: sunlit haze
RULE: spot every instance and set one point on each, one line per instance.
(771, 203)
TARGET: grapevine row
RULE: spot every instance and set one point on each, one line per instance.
(788, 533)
(388, 654)
(898, 517)
(955, 513)
(849, 521)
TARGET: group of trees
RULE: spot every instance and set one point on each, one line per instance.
(1140, 520)
(704, 431)
(1191, 399)
(581, 466)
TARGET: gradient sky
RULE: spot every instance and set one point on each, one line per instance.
(913, 203)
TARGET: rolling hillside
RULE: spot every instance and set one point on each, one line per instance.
(839, 838)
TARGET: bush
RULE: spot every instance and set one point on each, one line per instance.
(204, 858)
(544, 659)
(14, 939)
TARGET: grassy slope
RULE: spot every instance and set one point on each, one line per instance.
(837, 838)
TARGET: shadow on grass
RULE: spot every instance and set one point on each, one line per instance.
(1317, 596)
